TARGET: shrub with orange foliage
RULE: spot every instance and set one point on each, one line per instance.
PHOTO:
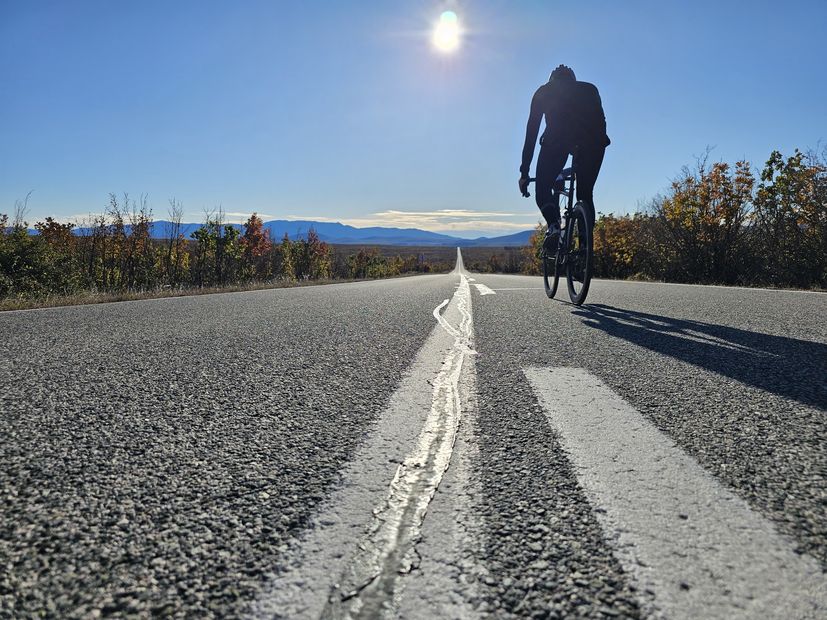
(256, 246)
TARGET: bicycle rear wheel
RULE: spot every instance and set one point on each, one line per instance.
(579, 256)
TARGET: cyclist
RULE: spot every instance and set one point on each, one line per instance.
(576, 125)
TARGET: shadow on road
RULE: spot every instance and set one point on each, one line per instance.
(794, 369)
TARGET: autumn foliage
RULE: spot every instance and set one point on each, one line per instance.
(723, 224)
(717, 223)
(116, 253)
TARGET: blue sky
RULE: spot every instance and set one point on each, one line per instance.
(344, 111)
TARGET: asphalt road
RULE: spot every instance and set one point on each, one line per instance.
(169, 457)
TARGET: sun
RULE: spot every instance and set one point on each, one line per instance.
(447, 33)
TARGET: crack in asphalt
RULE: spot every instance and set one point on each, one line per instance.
(369, 583)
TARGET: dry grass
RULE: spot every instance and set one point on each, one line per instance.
(430, 254)
(81, 299)
(442, 259)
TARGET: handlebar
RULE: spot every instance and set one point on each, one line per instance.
(528, 182)
(566, 174)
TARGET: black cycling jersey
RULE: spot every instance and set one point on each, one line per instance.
(574, 117)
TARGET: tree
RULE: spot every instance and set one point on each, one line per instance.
(206, 243)
(21, 259)
(704, 214)
(176, 257)
(367, 263)
(286, 263)
(60, 264)
(26, 269)
(532, 264)
(791, 220)
(217, 251)
(256, 247)
(625, 247)
(140, 251)
(312, 260)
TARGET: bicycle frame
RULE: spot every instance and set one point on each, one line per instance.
(566, 175)
(570, 256)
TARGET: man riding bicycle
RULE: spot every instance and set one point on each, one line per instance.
(576, 125)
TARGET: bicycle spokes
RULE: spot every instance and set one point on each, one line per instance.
(577, 253)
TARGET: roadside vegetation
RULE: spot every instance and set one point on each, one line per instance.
(114, 258)
(717, 224)
(722, 224)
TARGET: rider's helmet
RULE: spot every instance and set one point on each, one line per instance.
(562, 73)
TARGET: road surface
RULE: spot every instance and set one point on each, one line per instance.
(435, 446)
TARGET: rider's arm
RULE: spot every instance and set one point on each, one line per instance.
(531, 131)
(602, 118)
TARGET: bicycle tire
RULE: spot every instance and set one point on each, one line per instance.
(579, 256)
(550, 271)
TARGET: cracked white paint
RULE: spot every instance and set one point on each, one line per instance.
(418, 427)
(368, 588)
(446, 584)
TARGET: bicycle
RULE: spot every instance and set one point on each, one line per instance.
(574, 252)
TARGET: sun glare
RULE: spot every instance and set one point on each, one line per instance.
(447, 33)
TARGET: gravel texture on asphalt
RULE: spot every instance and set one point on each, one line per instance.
(736, 377)
(543, 545)
(158, 455)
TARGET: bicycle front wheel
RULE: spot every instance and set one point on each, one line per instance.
(579, 256)
(551, 275)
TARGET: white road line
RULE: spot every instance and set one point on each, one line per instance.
(459, 267)
(368, 588)
(484, 290)
(445, 584)
(521, 288)
(699, 548)
(351, 561)
(726, 287)
(445, 325)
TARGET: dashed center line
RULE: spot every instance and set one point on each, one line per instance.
(681, 534)
(484, 290)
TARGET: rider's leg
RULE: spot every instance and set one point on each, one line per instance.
(587, 162)
(550, 162)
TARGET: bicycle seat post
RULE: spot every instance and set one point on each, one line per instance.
(571, 186)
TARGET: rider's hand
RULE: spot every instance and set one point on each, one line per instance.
(523, 183)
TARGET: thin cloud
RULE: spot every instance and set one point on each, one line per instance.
(77, 219)
(239, 217)
(229, 217)
(446, 220)
(444, 213)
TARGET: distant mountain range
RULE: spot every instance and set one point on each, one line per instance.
(334, 232)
